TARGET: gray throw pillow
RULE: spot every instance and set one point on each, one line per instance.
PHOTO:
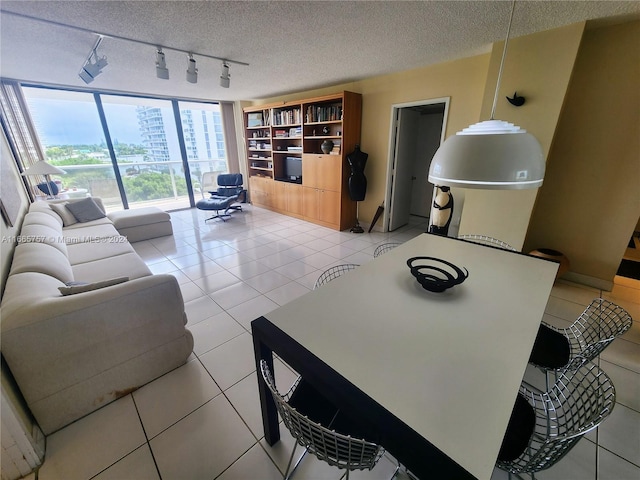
(85, 210)
(64, 213)
(80, 287)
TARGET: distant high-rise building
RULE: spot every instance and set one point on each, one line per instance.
(202, 131)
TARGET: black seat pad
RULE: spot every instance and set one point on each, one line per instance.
(311, 403)
(521, 425)
(551, 349)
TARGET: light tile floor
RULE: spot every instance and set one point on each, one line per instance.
(202, 420)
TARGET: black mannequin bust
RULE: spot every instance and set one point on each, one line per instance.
(357, 181)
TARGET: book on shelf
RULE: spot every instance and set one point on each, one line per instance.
(280, 133)
(294, 148)
(335, 150)
(328, 113)
(295, 132)
(287, 117)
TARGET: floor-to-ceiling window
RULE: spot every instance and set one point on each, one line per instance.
(145, 142)
(143, 151)
(72, 137)
(204, 140)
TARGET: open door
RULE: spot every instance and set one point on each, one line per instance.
(417, 132)
(402, 169)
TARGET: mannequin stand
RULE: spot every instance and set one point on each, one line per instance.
(357, 228)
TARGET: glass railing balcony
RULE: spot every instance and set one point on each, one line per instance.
(145, 183)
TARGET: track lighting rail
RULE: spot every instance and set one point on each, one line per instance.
(120, 37)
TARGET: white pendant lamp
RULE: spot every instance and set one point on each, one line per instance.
(493, 154)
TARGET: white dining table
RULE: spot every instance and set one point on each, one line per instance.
(435, 375)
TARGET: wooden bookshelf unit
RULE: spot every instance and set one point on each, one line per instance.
(291, 168)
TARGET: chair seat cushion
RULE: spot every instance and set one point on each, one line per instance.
(215, 203)
(521, 425)
(551, 349)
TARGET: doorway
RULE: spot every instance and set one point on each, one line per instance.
(417, 130)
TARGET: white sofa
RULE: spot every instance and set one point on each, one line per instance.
(72, 354)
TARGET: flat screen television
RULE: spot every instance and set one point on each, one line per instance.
(293, 169)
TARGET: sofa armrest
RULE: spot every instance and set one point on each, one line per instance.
(70, 355)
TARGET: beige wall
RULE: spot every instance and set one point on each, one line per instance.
(6, 254)
(7, 246)
(538, 67)
(462, 80)
(589, 204)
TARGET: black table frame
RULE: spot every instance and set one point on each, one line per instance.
(412, 450)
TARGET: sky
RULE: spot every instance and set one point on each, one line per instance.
(58, 124)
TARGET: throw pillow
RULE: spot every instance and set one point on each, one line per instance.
(85, 210)
(48, 188)
(64, 213)
(72, 288)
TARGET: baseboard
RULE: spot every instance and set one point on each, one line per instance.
(606, 285)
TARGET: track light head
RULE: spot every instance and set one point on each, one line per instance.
(192, 71)
(225, 76)
(91, 70)
(161, 65)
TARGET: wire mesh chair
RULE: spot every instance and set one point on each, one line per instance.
(339, 450)
(558, 349)
(384, 248)
(485, 240)
(333, 273)
(551, 423)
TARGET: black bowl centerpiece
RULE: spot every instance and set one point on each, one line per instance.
(436, 275)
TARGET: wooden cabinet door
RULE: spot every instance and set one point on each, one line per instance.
(294, 198)
(329, 172)
(310, 170)
(329, 206)
(261, 191)
(280, 196)
(310, 202)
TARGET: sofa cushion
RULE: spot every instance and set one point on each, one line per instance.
(66, 215)
(80, 226)
(127, 265)
(43, 218)
(73, 288)
(85, 210)
(90, 233)
(35, 233)
(111, 247)
(41, 258)
(138, 216)
(19, 292)
(45, 207)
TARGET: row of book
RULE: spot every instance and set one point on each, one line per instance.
(323, 114)
(292, 132)
(287, 117)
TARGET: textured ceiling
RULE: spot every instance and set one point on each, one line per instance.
(290, 45)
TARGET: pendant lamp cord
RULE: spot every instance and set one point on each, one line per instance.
(504, 54)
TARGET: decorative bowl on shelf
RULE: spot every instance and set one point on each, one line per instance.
(436, 275)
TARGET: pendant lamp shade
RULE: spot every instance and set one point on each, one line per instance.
(492, 155)
(41, 167)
